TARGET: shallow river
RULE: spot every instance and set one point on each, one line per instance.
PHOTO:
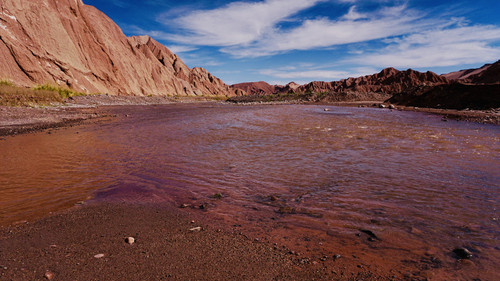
(321, 181)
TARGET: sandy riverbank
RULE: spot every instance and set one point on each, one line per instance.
(67, 246)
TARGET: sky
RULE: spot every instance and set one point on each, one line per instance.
(279, 41)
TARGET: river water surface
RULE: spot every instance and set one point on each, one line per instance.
(382, 188)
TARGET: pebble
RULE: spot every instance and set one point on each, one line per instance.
(326, 109)
(49, 275)
(198, 228)
(130, 240)
(336, 257)
(98, 256)
(462, 253)
(391, 106)
(184, 206)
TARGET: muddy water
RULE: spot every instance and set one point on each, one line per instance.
(392, 192)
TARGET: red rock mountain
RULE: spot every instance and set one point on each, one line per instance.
(256, 88)
(73, 44)
(487, 74)
(378, 86)
(389, 81)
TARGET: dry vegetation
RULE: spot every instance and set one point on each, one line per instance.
(12, 95)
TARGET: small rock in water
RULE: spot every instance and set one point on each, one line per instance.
(391, 106)
(462, 253)
(197, 229)
(286, 210)
(49, 275)
(370, 233)
(98, 256)
(184, 206)
(326, 109)
(217, 196)
(130, 240)
(336, 257)
(381, 105)
(203, 206)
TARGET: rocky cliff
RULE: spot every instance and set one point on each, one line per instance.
(68, 43)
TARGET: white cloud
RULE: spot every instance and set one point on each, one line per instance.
(301, 73)
(236, 23)
(320, 33)
(405, 37)
(438, 47)
(251, 29)
(181, 49)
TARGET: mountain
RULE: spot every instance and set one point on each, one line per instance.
(376, 87)
(68, 43)
(256, 88)
(263, 88)
(487, 74)
(385, 83)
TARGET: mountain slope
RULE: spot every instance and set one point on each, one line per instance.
(487, 74)
(69, 43)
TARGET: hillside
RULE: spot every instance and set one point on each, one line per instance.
(71, 44)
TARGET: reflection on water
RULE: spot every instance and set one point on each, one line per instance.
(422, 185)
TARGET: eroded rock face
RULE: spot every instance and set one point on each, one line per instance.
(387, 82)
(70, 43)
(256, 88)
(379, 86)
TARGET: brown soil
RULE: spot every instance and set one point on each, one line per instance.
(64, 247)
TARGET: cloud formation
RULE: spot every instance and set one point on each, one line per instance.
(237, 23)
(404, 36)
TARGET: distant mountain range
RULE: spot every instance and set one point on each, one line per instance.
(472, 88)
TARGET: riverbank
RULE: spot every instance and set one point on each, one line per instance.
(89, 243)
(76, 110)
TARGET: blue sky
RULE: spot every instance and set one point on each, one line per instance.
(279, 41)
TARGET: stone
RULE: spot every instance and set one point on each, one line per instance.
(98, 256)
(130, 240)
(49, 275)
(462, 253)
(195, 229)
(336, 257)
(286, 210)
(184, 206)
(326, 109)
(391, 106)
